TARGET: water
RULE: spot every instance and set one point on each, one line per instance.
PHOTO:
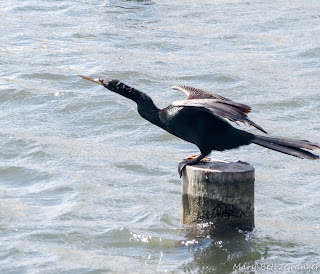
(87, 186)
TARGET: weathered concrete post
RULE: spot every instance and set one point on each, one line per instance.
(219, 194)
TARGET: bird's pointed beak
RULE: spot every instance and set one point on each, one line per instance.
(94, 80)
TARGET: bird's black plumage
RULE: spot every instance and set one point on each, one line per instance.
(200, 119)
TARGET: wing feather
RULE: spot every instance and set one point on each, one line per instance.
(196, 93)
(223, 108)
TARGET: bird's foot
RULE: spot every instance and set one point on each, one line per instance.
(205, 159)
(189, 161)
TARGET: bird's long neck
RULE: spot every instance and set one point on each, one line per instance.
(146, 107)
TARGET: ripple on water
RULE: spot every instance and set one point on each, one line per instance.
(218, 78)
(313, 52)
(17, 176)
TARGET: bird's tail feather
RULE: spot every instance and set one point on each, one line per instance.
(288, 146)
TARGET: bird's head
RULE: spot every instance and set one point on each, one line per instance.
(109, 84)
(113, 85)
(116, 86)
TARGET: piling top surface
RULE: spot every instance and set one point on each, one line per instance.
(223, 166)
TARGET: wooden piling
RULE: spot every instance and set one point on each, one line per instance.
(218, 194)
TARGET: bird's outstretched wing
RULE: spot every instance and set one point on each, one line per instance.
(196, 93)
(223, 108)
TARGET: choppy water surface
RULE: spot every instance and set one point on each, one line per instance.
(86, 185)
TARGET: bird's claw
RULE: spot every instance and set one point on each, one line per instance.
(181, 166)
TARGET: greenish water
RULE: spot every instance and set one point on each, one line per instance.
(88, 186)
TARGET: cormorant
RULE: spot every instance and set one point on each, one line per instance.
(199, 119)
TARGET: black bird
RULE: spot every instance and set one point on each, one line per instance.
(199, 119)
